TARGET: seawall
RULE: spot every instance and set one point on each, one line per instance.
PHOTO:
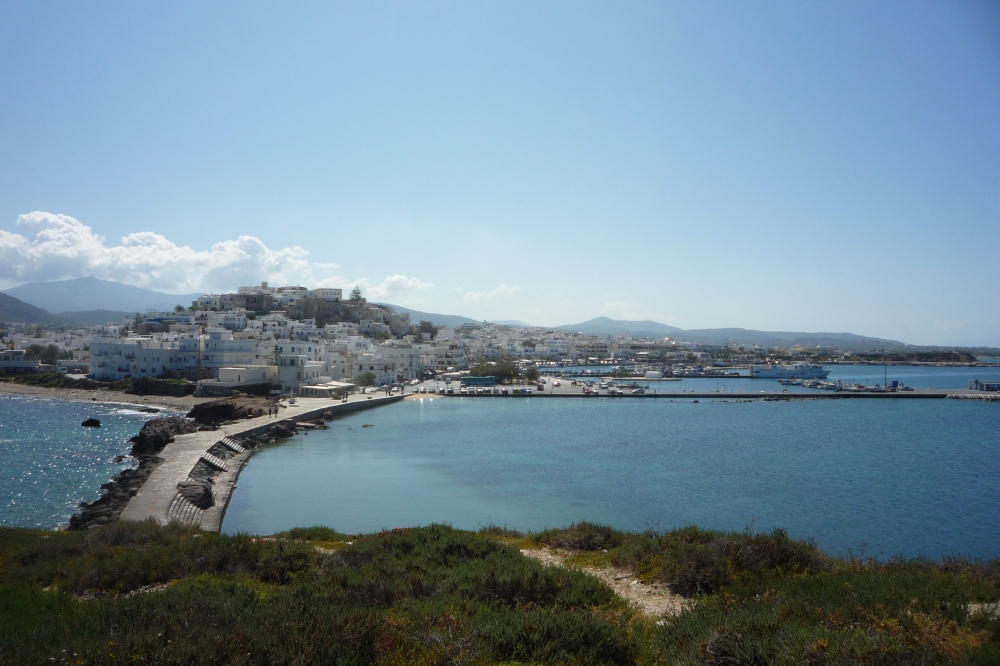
(187, 458)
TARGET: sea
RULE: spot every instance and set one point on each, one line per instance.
(916, 478)
(874, 477)
(49, 463)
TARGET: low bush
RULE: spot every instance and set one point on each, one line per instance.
(133, 593)
(580, 536)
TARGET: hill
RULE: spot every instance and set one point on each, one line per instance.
(606, 326)
(97, 317)
(742, 336)
(90, 293)
(450, 321)
(13, 310)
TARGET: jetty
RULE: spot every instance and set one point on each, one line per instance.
(166, 496)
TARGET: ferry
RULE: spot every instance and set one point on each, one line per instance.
(789, 371)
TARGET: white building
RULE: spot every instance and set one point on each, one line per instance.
(141, 357)
(13, 362)
(220, 349)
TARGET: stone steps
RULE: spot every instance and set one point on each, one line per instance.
(231, 443)
(184, 512)
(215, 461)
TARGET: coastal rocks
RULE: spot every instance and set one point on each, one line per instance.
(122, 487)
(286, 429)
(158, 433)
(230, 409)
(987, 397)
(282, 430)
(198, 492)
(91, 423)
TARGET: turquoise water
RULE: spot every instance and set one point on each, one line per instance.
(912, 477)
(49, 464)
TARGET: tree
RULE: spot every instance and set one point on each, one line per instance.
(48, 354)
(427, 327)
(504, 369)
(356, 294)
(178, 308)
(366, 379)
(531, 374)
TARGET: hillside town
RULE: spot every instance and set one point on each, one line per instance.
(290, 339)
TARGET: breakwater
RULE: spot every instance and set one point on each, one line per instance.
(195, 480)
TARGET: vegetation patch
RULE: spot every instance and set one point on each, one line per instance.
(133, 593)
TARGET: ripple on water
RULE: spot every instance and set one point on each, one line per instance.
(50, 464)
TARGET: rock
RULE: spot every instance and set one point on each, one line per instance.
(149, 410)
(158, 433)
(118, 491)
(230, 409)
(91, 423)
(198, 493)
(282, 430)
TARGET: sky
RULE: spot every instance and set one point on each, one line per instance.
(821, 166)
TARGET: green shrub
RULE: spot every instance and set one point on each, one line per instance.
(580, 536)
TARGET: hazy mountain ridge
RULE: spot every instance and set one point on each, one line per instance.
(742, 336)
(450, 321)
(88, 294)
(97, 317)
(13, 310)
(605, 326)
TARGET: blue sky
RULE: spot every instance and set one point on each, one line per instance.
(795, 166)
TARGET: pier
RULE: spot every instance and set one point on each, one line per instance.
(161, 497)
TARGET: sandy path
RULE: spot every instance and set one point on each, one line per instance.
(654, 600)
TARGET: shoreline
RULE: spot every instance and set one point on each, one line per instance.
(175, 403)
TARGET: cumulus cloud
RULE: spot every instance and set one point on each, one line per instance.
(392, 286)
(501, 289)
(53, 247)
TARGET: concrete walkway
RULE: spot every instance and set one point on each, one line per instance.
(159, 497)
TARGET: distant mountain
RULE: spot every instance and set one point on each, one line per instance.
(512, 322)
(606, 326)
(742, 336)
(13, 310)
(90, 293)
(97, 317)
(450, 321)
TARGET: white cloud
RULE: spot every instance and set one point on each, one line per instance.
(58, 246)
(501, 289)
(390, 287)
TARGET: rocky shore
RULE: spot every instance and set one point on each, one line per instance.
(123, 486)
(198, 488)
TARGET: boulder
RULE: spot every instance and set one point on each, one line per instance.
(91, 423)
(198, 493)
(157, 433)
(229, 409)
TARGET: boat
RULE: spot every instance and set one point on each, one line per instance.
(789, 371)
